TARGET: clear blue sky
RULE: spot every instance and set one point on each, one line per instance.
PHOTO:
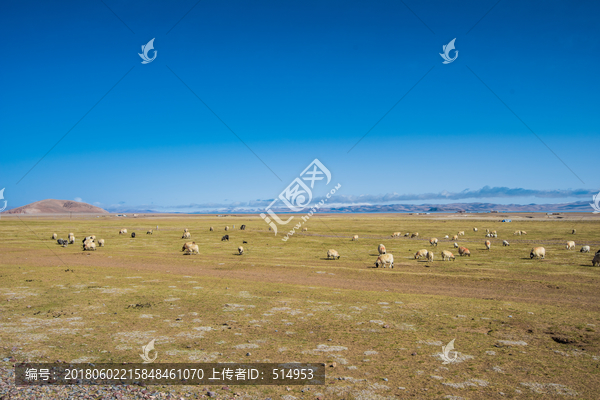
(295, 81)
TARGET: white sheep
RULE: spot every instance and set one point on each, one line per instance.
(332, 254)
(421, 253)
(537, 252)
(385, 259)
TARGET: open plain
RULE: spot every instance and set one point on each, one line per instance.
(523, 328)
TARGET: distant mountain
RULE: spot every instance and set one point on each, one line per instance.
(580, 206)
(51, 206)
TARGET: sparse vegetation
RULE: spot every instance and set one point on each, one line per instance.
(521, 325)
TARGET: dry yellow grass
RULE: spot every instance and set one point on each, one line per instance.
(522, 326)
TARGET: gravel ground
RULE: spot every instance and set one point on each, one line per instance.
(8, 391)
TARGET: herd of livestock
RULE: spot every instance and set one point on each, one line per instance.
(189, 248)
(384, 260)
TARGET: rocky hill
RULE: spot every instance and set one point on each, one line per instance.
(51, 206)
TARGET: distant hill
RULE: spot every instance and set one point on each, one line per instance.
(51, 206)
(581, 206)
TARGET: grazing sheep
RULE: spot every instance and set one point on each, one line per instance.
(461, 233)
(89, 246)
(225, 238)
(523, 233)
(463, 251)
(596, 260)
(243, 227)
(211, 229)
(493, 233)
(433, 241)
(62, 242)
(186, 230)
(226, 228)
(149, 232)
(570, 245)
(414, 235)
(505, 243)
(381, 249)
(100, 242)
(54, 236)
(421, 253)
(455, 237)
(385, 259)
(474, 229)
(122, 231)
(133, 234)
(537, 252)
(574, 231)
(92, 238)
(488, 244)
(446, 237)
(240, 250)
(305, 230)
(447, 256)
(585, 249)
(430, 256)
(517, 233)
(397, 234)
(71, 238)
(192, 249)
(186, 235)
(488, 235)
(332, 254)
(355, 237)
(455, 245)
(407, 234)
(187, 245)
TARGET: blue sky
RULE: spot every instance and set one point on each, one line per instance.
(295, 81)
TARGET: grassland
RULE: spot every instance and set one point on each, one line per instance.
(523, 328)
